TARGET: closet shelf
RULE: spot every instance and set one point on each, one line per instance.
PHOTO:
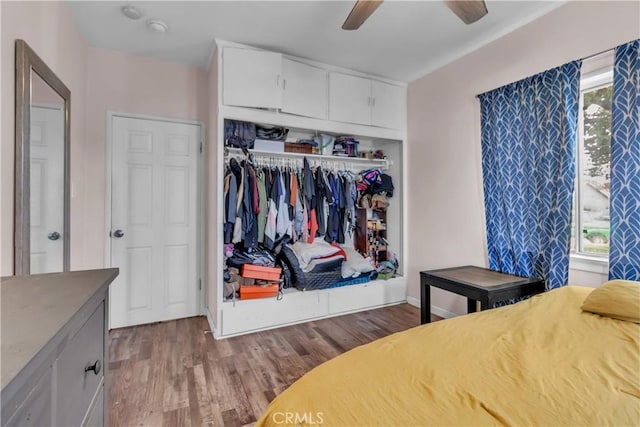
(356, 162)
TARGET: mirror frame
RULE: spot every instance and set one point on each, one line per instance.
(26, 62)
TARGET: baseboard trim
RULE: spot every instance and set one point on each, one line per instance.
(442, 312)
(212, 324)
(434, 309)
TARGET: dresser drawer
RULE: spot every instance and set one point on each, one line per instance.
(95, 417)
(75, 385)
(36, 408)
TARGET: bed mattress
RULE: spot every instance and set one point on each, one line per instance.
(539, 362)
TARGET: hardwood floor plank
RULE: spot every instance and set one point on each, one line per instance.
(194, 406)
(230, 418)
(176, 418)
(208, 397)
(173, 374)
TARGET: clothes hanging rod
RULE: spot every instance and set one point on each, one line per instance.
(582, 59)
(359, 161)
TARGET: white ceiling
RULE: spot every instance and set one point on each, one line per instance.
(402, 40)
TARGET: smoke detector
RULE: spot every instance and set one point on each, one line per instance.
(157, 26)
(131, 12)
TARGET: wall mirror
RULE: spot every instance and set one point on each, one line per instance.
(42, 193)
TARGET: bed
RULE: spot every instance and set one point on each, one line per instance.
(542, 361)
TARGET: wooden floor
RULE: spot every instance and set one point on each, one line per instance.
(175, 374)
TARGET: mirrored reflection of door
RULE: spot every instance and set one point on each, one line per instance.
(47, 178)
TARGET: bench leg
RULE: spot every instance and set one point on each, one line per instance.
(425, 303)
(471, 305)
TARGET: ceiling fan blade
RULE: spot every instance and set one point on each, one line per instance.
(468, 10)
(360, 13)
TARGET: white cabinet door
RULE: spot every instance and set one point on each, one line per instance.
(349, 99)
(388, 105)
(305, 90)
(251, 78)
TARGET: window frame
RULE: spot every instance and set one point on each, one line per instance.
(599, 74)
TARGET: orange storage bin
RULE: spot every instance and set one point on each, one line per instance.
(257, 291)
(272, 274)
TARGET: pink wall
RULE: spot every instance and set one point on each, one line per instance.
(132, 84)
(211, 197)
(50, 30)
(444, 130)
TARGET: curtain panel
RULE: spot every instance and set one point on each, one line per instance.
(528, 164)
(624, 251)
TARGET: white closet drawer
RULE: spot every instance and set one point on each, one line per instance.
(372, 294)
(251, 315)
(76, 387)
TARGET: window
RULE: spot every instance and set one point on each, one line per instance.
(590, 231)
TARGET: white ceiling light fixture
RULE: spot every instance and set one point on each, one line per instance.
(157, 26)
(131, 12)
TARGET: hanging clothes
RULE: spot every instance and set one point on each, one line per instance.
(237, 229)
(299, 215)
(351, 196)
(250, 208)
(230, 201)
(270, 227)
(309, 189)
(266, 206)
(333, 217)
(283, 224)
(323, 195)
(262, 204)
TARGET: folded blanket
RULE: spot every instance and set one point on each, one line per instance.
(306, 252)
(321, 265)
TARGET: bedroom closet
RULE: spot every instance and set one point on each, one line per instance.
(320, 288)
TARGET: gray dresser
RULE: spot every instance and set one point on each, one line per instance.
(54, 348)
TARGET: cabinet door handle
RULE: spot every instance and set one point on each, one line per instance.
(284, 84)
(278, 80)
(95, 367)
(373, 102)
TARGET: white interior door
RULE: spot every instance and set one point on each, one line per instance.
(153, 220)
(46, 189)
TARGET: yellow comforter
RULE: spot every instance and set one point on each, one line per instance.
(540, 362)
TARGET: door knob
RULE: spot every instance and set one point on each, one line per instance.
(117, 234)
(54, 235)
(95, 367)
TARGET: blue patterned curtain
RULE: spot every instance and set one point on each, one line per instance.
(528, 164)
(624, 252)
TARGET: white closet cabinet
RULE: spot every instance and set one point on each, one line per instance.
(305, 90)
(388, 105)
(315, 98)
(365, 101)
(349, 99)
(251, 78)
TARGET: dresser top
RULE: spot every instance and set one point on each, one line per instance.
(34, 309)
